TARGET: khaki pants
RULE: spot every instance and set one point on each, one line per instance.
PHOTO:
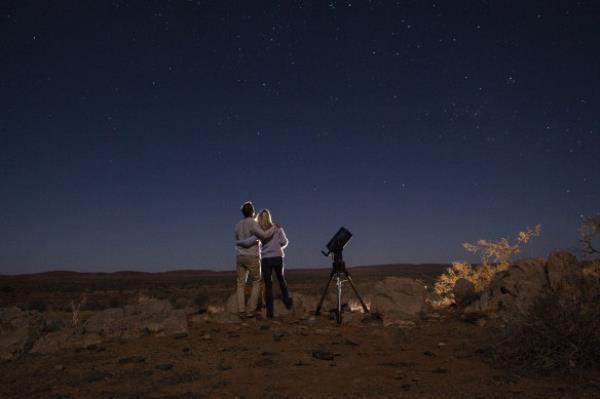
(247, 267)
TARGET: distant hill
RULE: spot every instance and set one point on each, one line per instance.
(404, 267)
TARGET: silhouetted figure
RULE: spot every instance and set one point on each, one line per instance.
(248, 258)
(271, 259)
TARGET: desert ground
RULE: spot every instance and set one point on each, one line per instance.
(440, 354)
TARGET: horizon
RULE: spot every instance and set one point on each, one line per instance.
(132, 132)
(205, 270)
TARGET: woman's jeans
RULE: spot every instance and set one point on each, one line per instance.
(267, 266)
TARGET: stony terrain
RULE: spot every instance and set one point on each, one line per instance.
(169, 348)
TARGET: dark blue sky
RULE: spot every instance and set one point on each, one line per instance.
(131, 132)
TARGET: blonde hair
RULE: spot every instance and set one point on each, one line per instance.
(264, 219)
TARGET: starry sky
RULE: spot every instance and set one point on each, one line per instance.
(132, 131)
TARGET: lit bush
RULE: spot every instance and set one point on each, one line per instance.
(496, 256)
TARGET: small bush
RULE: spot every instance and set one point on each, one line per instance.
(500, 252)
(481, 277)
(561, 331)
(592, 269)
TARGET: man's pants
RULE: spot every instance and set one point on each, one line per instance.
(247, 267)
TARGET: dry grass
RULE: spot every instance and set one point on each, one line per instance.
(560, 332)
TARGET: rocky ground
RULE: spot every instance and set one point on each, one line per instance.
(149, 349)
(436, 358)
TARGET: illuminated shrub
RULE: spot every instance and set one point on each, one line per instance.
(496, 256)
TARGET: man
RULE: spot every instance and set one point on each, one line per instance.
(248, 259)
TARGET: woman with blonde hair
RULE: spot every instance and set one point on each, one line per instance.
(271, 259)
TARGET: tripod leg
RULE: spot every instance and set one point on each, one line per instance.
(364, 306)
(338, 315)
(318, 311)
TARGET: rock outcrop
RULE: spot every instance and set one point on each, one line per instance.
(517, 288)
(18, 331)
(21, 332)
(464, 292)
(397, 298)
(149, 316)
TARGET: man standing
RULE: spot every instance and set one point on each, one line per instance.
(248, 259)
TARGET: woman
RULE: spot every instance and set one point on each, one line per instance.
(271, 260)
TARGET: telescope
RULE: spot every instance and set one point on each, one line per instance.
(338, 241)
(335, 247)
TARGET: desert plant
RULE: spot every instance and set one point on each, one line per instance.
(588, 229)
(500, 254)
(446, 281)
(76, 308)
(502, 251)
(592, 269)
(561, 331)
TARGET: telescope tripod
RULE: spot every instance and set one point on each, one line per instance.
(341, 275)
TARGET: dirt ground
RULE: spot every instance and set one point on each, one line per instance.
(440, 356)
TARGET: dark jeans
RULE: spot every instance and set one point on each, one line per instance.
(267, 265)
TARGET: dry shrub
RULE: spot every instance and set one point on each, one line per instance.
(560, 332)
(446, 281)
(499, 252)
(592, 269)
(481, 277)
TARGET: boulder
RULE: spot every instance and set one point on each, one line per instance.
(65, 339)
(302, 307)
(563, 270)
(514, 289)
(150, 316)
(18, 331)
(397, 298)
(232, 305)
(107, 323)
(464, 292)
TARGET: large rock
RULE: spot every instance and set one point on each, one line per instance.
(520, 286)
(232, 305)
(563, 270)
(150, 316)
(302, 307)
(464, 292)
(65, 339)
(107, 323)
(514, 289)
(397, 298)
(18, 331)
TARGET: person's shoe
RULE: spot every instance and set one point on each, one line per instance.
(249, 315)
(269, 315)
(288, 303)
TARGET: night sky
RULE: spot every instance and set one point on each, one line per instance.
(131, 132)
